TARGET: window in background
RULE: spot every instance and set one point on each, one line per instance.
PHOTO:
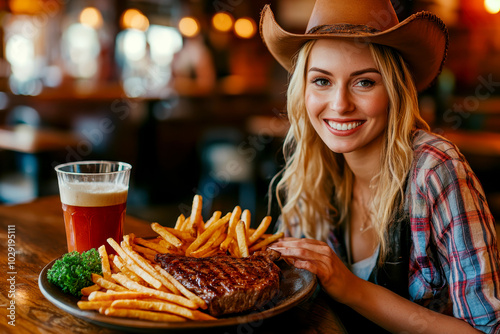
(144, 54)
(81, 48)
(24, 51)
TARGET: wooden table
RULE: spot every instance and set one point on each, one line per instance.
(39, 238)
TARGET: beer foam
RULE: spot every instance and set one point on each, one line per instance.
(93, 193)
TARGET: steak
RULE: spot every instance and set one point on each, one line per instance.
(227, 284)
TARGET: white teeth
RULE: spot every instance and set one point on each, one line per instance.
(343, 126)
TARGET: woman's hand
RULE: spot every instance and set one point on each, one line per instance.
(380, 305)
(318, 258)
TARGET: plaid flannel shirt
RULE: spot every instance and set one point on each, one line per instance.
(454, 261)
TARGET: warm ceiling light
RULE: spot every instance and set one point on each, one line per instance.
(91, 17)
(492, 6)
(189, 27)
(222, 22)
(29, 7)
(134, 19)
(245, 27)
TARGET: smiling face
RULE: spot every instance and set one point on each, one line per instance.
(345, 97)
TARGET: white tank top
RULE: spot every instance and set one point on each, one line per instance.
(362, 268)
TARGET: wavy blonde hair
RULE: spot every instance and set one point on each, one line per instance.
(315, 188)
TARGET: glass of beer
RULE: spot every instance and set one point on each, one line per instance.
(94, 198)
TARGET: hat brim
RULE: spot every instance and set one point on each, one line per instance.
(421, 39)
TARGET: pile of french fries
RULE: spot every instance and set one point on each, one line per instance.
(134, 286)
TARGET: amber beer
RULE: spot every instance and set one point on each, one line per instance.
(93, 213)
(94, 197)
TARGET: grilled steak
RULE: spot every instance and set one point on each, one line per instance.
(227, 284)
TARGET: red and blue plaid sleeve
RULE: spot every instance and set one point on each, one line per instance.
(454, 263)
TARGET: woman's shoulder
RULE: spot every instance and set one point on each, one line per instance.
(432, 150)
(425, 142)
(437, 161)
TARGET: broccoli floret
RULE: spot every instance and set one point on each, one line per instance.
(74, 271)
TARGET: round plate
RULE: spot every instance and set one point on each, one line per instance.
(296, 286)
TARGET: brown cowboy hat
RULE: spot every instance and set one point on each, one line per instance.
(421, 39)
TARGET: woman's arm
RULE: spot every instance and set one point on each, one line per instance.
(454, 241)
(374, 302)
(399, 315)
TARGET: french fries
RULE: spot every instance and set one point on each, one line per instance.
(179, 222)
(215, 217)
(264, 225)
(106, 268)
(133, 285)
(143, 315)
(124, 270)
(106, 296)
(246, 217)
(266, 242)
(241, 237)
(235, 217)
(133, 265)
(217, 238)
(195, 220)
(94, 305)
(207, 233)
(188, 294)
(166, 235)
(88, 290)
(155, 246)
(163, 307)
(104, 283)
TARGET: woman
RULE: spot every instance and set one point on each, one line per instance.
(396, 224)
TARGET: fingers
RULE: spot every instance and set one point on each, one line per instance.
(312, 255)
(319, 259)
(301, 244)
(320, 263)
(303, 253)
(304, 265)
(295, 241)
(323, 270)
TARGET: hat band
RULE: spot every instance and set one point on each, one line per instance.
(344, 28)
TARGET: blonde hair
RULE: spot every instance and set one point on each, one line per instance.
(315, 188)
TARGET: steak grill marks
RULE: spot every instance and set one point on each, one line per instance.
(227, 284)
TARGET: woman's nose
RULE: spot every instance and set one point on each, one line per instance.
(341, 100)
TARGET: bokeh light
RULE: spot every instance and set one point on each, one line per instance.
(91, 17)
(163, 42)
(134, 19)
(492, 6)
(245, 27)
(222, 21)
(134, 44)
(20, 52)
(81, 48)
(189, 27)
(26, 7)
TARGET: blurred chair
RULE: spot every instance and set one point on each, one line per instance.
(227, 174)
(19, 174)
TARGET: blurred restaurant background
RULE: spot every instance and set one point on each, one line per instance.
(188, 94)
